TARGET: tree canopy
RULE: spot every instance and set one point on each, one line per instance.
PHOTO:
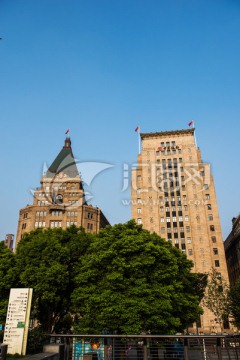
(123, 280)
(131, 281)
(46, 261)
(234, 303)
(216, 297)
(7, 278)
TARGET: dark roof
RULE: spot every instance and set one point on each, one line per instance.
(64, 162)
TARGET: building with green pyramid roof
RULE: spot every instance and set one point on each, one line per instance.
(60, 200)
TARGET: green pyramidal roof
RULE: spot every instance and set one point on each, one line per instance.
(64, 162)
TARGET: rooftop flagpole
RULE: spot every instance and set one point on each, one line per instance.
(194, 132)
(139, 139)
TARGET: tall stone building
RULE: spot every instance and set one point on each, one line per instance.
(232, 251)
(9, 241)
(173, 195)
(60, 200)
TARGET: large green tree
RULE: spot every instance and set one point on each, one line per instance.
(7, 278)
(234, 303)
(46, 261)
(216, 297)
(131, 281)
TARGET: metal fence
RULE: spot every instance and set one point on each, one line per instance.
(148, 347)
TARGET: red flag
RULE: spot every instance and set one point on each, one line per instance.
(191, 123)
(66, 132)
(137, 128)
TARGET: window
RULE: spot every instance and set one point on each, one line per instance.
(179, 151)
(168, 219)
(139, 221)
(189, 240)
(186, 218)
(184, 197)
(217, 263)
(90, 215)
(174, 219)
(55, 224)
(210, 217)
(190, 252)
(187, 228)
(215, 251)
(161, 219)
(90, 226)
(180, 160)
(207, 196)
(139, 177)
(162, 230)
(139, 190)
(180, 218)
(37, 213)
(25, 215)
(161, 208)
(139, 200)
(139, 210)
(212, 228)
(206, 186)
(214, 239)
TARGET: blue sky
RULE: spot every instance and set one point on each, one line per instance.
(100, 68)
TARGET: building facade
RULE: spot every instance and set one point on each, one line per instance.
(9, 241)
(232, 251)
(60, 202)
(173, 195)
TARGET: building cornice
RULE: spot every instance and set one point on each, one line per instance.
(167, 133)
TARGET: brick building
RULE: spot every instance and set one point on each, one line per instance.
(173, 195)
(232, 251)
(60, 199)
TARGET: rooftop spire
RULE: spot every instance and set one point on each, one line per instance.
(64, 162)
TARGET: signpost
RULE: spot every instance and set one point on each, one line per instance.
(17, 322)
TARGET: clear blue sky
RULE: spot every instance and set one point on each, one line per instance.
(100, 68)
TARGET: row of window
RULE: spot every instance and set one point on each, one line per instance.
(168, 151)
(175, 229)
(56, 188)
(58, 224)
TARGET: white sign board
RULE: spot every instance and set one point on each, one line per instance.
(17, 322)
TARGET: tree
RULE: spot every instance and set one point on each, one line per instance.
(46, 261)
(7, 278)
(216, 297)
(234, 303)
(131, 281)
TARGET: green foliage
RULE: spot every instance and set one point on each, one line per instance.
(7, 278)
(46, 261)
(216, 297)
(131, 281)
(36, 339)
(234, 303)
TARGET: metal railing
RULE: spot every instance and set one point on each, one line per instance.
(149, 347)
